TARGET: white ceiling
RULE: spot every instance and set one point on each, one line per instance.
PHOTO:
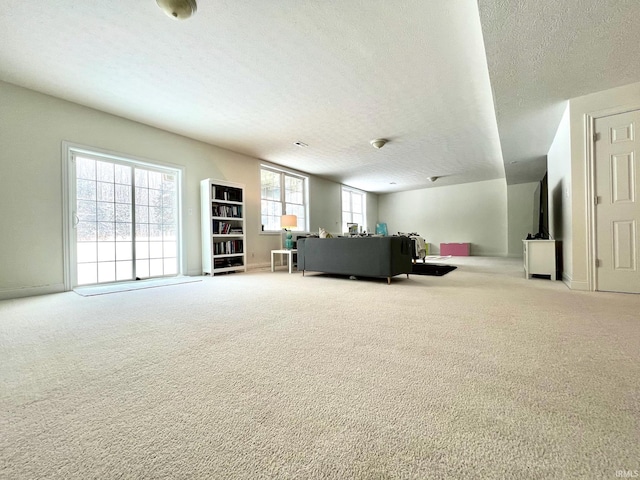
(542, 53)
(256, 76)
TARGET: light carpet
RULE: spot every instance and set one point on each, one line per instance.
(104, 289)
(481, 374)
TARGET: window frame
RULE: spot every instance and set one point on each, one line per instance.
(69, 152)
(363, 195)
(283, 173)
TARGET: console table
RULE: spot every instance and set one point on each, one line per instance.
(539, 258)
(284, 253)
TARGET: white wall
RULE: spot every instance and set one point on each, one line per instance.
(611, 101)
(520, 203)
(372, 212)
(471, 212)
(32, 128)
(322, 214)
(559, 186)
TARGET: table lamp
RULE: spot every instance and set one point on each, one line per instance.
(287, 222)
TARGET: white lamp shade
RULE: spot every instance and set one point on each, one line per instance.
(288, 221)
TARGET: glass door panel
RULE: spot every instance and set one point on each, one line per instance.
(126, 222)
(156, 223)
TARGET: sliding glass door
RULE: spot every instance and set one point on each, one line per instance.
(125, 220)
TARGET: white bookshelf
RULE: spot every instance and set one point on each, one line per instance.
(222, 212)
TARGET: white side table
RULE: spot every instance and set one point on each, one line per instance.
(539, 258)
(284, 253)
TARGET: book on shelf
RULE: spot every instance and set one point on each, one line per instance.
(228, 262)
(229, 211)
(228, 247)
(227, 194)
(226, 228)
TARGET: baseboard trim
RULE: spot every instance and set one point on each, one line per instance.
(584, 286)
(250, 266)
(573, 285)
(31, 291)
(256, 266)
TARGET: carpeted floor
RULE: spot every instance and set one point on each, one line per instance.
(90, 291)
(477, 374)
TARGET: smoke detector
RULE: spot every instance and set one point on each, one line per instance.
(378, 143)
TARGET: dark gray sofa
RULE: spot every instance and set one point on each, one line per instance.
(363, 256)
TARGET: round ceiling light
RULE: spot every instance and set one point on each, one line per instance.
(378, 143)
(180, 9)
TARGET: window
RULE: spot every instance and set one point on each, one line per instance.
(353, 208)
(282, 193)
(125, 220)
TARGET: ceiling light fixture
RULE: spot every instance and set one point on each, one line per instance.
(180, 9)
(378, 143)
(432, 179)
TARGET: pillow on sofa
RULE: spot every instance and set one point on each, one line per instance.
(324, 234)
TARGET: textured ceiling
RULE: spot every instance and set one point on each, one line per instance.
(256, 76)
(542, 53)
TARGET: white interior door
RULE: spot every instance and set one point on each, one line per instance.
(617, 212)
(125, 221)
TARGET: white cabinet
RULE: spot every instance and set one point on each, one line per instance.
(540, 258)
(223, 226)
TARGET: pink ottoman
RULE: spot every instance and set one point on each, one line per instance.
(455, 249)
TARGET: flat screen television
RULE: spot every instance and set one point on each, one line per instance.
(541, 210)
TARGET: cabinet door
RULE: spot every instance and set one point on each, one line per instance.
(540, 258)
